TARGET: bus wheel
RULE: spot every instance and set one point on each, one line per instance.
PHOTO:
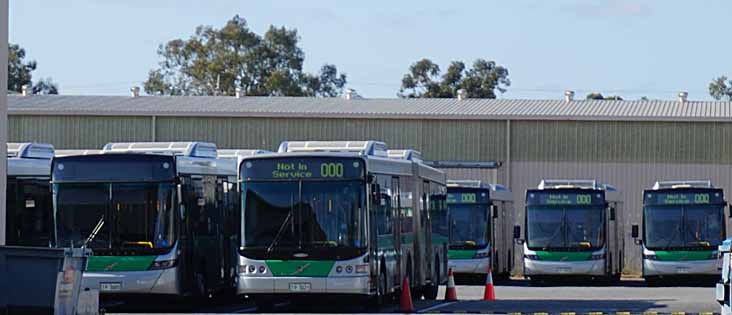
(381, 297)
(430, 291)
(264, 305)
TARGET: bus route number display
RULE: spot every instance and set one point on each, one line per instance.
(302, 168)
(564, 198)
(684, 198)
(462, 198)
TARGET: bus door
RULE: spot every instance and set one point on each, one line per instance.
(397, 227)
(426, 223)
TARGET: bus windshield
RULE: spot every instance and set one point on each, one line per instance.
(573, 228)
(469, 226)
(135, 217)
(303, 215)
(684, 227)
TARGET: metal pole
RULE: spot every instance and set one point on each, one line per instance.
(3, 113)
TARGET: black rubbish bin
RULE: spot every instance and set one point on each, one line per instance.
(40, 280)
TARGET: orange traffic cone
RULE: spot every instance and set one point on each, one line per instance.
(405, 301)
(450, 292)
(490, 293)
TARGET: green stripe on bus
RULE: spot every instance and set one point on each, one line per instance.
(119, 263)
(563, 256)
(461, 254)
(682, 255)
(300, 268)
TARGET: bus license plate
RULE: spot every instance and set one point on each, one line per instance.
(682, 270)
(564, 270)
(110, 286)
(299, 287)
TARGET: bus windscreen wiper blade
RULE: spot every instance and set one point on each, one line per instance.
(280, 232)
(95, 231)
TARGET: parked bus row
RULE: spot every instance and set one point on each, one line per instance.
(333, 217)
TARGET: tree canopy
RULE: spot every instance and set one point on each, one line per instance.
(218, 61)
(481, 81)
(721, 88)
(599, 96)
(19, 73)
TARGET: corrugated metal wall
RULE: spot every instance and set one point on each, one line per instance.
(590, 141)
(630, 178)
(78, 132)
(437, 139)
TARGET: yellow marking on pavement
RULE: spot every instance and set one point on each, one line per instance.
(650, 313)
(514, 313)
(541, 313)
(678, 313)
(706, 313)
(594, 313)
(622, 313)
(567, 313)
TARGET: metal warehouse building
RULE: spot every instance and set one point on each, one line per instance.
(629, 144)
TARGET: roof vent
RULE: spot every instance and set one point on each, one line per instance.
(462, 94)
(351, 94)
(236, 153)
(683, 96)
(25, 90)
(190, 149)
(238, 93)
(568, 183)
(31, 150)
(135, 91)
(568, 96)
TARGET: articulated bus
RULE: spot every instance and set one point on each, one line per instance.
(481, 219)
(683, 224)
(29, 208)
(160, 218)
(574, 228)
(340, 218)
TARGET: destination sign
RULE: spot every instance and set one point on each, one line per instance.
(302, 168)
(114, 167)
(467, 197)
(683, 198)
(565, 198)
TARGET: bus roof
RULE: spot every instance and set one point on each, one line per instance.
(497, 192)
(368, 147)
(29, 159)
(681, 184)
(188, 149)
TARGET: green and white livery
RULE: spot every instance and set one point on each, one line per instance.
(340, 218)
(481, 218)
(683, 224)
(160, 218)
(573, 229)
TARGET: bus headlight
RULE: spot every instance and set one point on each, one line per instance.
(532, 257)
(482, 255)
(597, 257)
(650, 257)
(162, 264)
(362, 268)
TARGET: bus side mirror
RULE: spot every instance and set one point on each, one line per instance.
(634, 232)
(517, 234)
(612, 214)
(494, 211)
(730, 211)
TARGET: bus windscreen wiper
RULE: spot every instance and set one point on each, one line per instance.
(95, 231)
(280, 232)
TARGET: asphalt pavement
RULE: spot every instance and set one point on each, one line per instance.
(630, 296)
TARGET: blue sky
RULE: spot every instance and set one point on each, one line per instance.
(624, 47)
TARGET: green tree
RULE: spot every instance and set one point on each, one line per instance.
(598, 96)
(721, 88)
(45, 86)
(482, 80)
(19, 71)
(220, 61)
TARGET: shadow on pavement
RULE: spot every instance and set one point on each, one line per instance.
(548, 306)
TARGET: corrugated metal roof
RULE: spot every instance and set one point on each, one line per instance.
(377, 108)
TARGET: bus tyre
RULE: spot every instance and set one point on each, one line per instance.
(264, 305)
(381, 297)
(431, 291)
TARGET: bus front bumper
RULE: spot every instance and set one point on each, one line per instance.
(558, 268)
(359, 285)
(132, 282)
(474, 266)
(679, 268)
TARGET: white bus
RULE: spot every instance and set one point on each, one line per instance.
(160, 218)
(340, 218)
(481, 219)
(683, 224)
(29, 208)
(574, 228)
